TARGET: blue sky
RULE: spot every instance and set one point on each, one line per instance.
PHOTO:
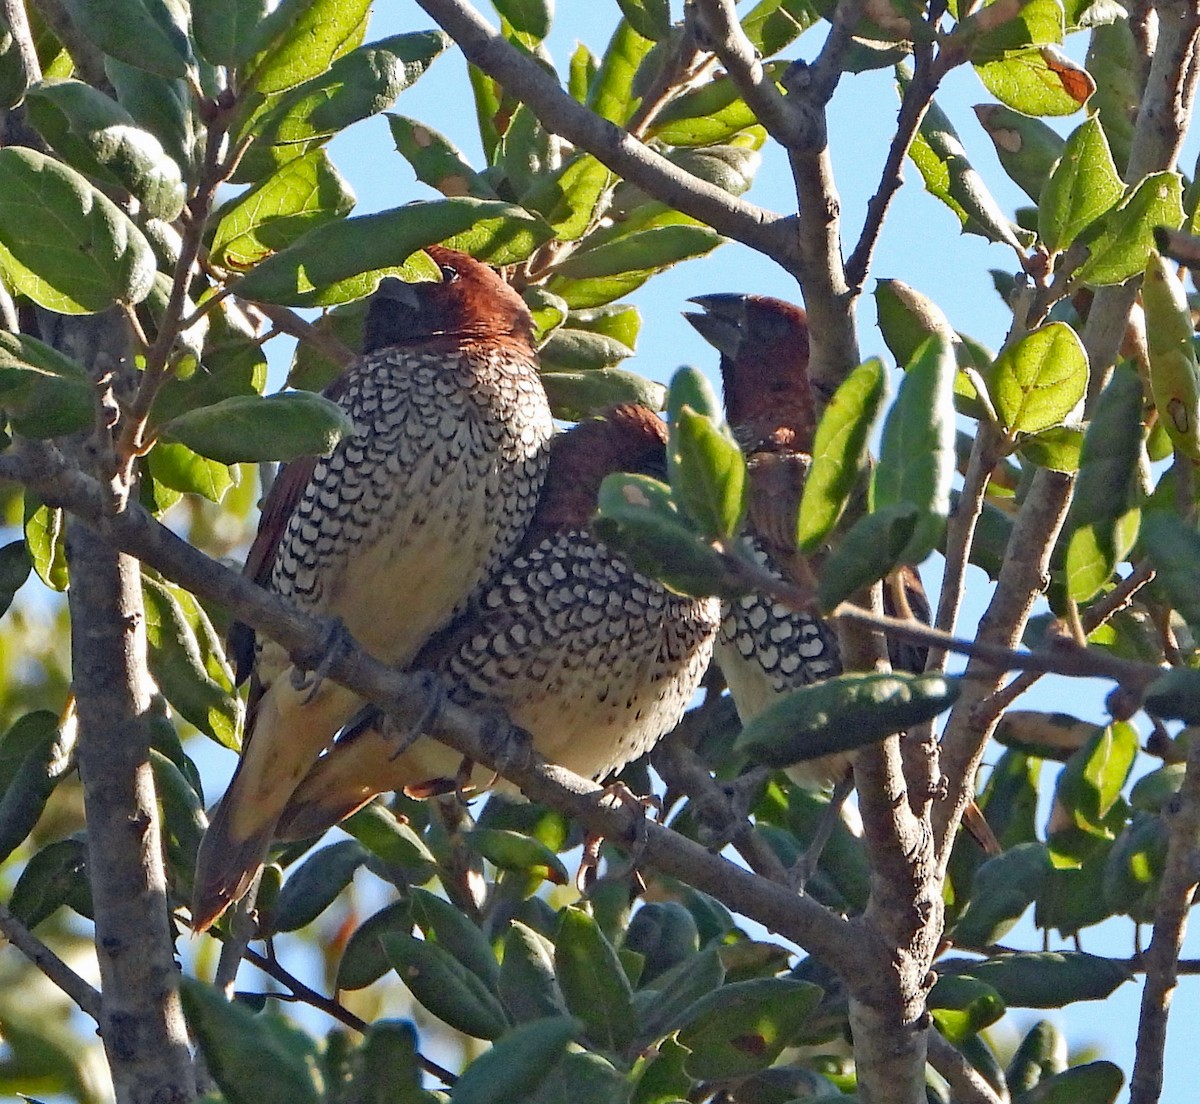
(920, 245)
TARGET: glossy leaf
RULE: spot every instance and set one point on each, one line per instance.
(308, 272)
(1037, 382)
(644, 252)
(708, 474)
(569, 199)
(177, 467)
(302, 38)
(1028, 149)
(314, 885)
(445, 987)
(874, 546)
(1083, 186)
(142, 33)
(527, 983)
(593, 981)
(1089, 787)
(517, 1064)
(743, 1027)
(1050, 979)
(1121, 243)
(1058, 448)
(44, 393)
(1002, 889)
(916, 458)
(1038, 82)
(46, 540)
(226, 31)
(773, 24)
(577, 395)
(839, 451)
(301, 195)
(247, 428)
(187, 663)
(253, 1059)
(62, 242)
(100, 138)
(963, 1006)
(1094, 551)
(842, 713)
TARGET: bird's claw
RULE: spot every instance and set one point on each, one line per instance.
(620, 794)
(435, 702)
(310, 673)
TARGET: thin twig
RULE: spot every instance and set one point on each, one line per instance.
(289, 322)
(1176, 890)
(84, 995)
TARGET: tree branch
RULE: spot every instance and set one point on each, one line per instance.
(967, 1084)
(522, 77)
(87, 998)
(1180, 876)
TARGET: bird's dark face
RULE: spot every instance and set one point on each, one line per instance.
(470, 302)
(626, 438)
(764, 350)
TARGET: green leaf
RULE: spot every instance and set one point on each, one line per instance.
(690, 387)
(1041, 81)
(1028, 149)
(1050, 979)
(15, 566)
(513, 851)
(247, 428)
(569, 200)
(55, 876)
(183, 819)
(1092, 1083)
(843, 713)
(178, 467)
(1038, 381)
(574, 350)
(445, 987)
(364, 960)
(1034, 23)
(531, 17)
(187, 662)
(100, 138)
(314, 885)
(1002, 889)
(1042, 1053)
(379, 830)
(744, 1027)
(34, 754)
(46, 539)
(577, 395)
(773, 24)
(301, 39)
(1094, 551)
(1112, 61)
(517, 1064)
(839, 452)
(446, 926)
(527, 983)
(65, 244)
(593, 982)
(941, 159)
(436, 161)
(358, 85)
(712, 113)
(226, 31)
(14, 76)
(650, 18)
(1088, 790)
(160, 105)
(44, 393)
(678, 990)
(642, 252)
(1083, 186)
(1174, 375)
(1175, 695)
(1112, 446)
(1174, 546)
(142, 33)
(665, 935)
(1134, 868)
(1058, 448)
(253, 1059)
(611, 93)
(300, 196)
(963, 1006)
(307, 273)
(916, 458)
(907, 318)
(388, 1066)
(582, 1077)
(873, 547)
(708, 473)
(1121, 242)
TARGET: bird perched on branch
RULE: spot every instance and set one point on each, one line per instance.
(390, 533)
(765, 648)
(595, 660)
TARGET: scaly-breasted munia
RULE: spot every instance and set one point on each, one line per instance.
(392, 532)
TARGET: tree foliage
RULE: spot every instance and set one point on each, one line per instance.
(168, 166)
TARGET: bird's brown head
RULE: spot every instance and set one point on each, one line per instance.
(625, 438)
(471, 302)
(763, 344)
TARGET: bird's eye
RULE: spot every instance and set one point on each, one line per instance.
(449, 273)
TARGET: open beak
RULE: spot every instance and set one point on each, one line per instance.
(723, 323)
